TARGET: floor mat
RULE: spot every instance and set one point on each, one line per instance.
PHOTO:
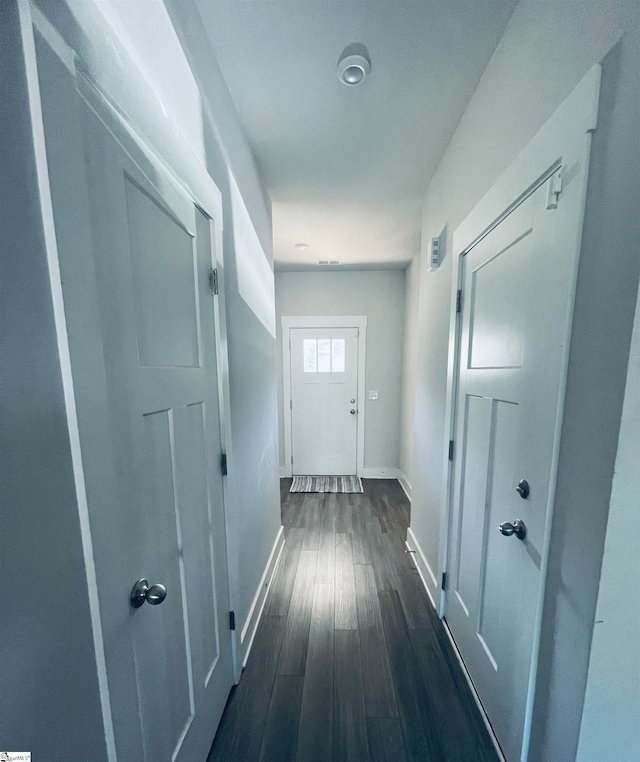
(346, 484)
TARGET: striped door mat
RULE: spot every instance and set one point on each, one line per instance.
(347, 484)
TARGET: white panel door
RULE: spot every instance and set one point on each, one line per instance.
(169, 666)
(517, 293)
(324, 394)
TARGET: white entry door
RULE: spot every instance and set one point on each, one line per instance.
(324, 394)
(517, 297)
(169, 666)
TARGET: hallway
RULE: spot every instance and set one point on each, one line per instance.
(350, 661)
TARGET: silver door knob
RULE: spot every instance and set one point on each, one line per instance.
(353, 402)
(352, 411)
(518, 528)
(152, 594)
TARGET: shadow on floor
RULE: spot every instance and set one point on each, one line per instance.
(350, 661)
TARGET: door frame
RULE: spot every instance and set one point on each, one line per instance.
(563, 143)
(322, 321)
(81, 357)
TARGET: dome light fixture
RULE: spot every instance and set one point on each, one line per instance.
(354, 65)
(302, 246)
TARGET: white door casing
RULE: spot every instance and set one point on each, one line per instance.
(516, 291)
(324, 400)
(135, 254)
(507, 371)
(350, 452)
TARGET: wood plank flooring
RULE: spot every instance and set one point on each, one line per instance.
(350, 662)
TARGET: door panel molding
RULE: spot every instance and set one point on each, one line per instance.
(563, 144)
(74, 280)
(322, 321)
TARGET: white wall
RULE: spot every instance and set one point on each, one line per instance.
(378, 294)
(49, 690)
(253, 516)
(156, 62)
(409, 368)
(545, 51)
(49, 697)
(610, 729)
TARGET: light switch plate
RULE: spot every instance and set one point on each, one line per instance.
(373, 394)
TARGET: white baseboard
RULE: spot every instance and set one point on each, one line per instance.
(248, 631)
(369, 472)
(429, 579)
(378, 472)
(404, 483)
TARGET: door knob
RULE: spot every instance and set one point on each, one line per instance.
(523, 489)
(142, 591)
(353, 402)
(352, 411)
(518, 528)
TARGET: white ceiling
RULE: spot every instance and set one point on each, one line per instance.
(347, 167)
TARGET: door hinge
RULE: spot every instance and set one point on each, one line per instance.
(459, 301)
(292, 460)
(223, 463)
(554, 189)
(213, 281)
(444, 580)
(290, 404)
(451, 449)
(232, 620)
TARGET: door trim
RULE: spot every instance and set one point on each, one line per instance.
(31, 19)
(564, 142)
(192, 182)
(323, 321)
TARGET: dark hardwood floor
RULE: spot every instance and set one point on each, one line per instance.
(350, 661)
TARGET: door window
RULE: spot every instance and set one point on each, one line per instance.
(310, 355)
(337, 355)
(323, 355)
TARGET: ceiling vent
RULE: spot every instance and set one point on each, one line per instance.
(328, 261)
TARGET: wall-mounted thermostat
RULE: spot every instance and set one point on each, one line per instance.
(434, 254)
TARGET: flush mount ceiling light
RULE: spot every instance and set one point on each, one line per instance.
(302, 246)
(354, 65)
